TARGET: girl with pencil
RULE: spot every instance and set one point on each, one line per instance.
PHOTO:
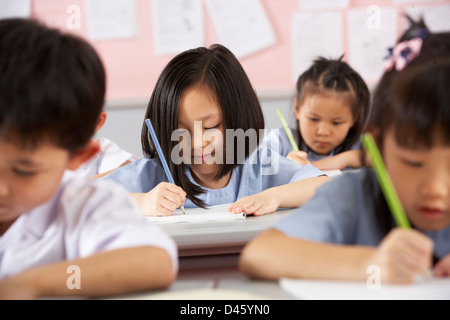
(348, 225)
(331, 108)
(208, 122)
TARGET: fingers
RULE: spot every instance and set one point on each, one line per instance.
(405, 254)
(301, 157)
(164, 199)
(442, 268)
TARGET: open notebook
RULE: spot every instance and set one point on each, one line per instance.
(213, 213)
(434, 289)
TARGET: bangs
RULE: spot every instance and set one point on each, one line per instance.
(421, 106)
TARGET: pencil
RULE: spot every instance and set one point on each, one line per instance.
(288, 131)
(385, 182)
(386, 185)
(161, 155)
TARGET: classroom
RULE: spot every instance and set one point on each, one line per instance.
(275, 41)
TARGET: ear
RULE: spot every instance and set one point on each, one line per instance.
(296, 107)
(91, 149)
(101, 121)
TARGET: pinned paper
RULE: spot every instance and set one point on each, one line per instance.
(242, 26)
(15, 9)
(314, 35)
(111, 19)
(177, 25)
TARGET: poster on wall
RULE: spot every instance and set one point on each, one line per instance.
(314, 35)
(177, 25)
(241, 26)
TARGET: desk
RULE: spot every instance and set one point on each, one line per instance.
(218, 244)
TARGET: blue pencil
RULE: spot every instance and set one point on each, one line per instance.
(161, 155)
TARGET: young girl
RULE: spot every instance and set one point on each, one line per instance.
(331, 107)
(347, 226)
(208, 119)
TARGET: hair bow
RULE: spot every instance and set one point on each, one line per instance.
(402, 54)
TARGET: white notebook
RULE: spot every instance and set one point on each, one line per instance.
(434, 289)
(213, 213)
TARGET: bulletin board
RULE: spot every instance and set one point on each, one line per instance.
(359, 29)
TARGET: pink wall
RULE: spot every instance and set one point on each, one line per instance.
(132, 66)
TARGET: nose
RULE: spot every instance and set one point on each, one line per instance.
(436, 185)
(323, 129)
(4, 190)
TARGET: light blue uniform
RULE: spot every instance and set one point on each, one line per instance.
(344, 211)
(278, 140)
(263, 169)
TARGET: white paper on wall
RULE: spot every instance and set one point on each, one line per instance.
(314, 35)
(314, 4)
(111, 19)
(242, 26)
(15, 8)
(370, 34)
(177, 25)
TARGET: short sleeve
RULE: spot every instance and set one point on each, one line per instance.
(101, 216)
(325, 217)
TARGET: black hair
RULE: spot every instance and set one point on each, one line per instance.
(416, 100)
(220, 71)
(52, 86)
(337, 76)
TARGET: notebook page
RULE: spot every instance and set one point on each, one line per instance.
(434, 289)
(213, 213)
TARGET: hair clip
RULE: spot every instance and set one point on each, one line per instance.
(402, 54)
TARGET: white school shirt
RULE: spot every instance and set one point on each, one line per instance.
(84, 217)
(110, 157)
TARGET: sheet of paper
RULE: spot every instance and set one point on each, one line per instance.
(371, 32)
(242, 26)
(213, 213)
(314, 4)
(436, 289)
(111, 19)
(332, 173)
(15, 8)
(314, 35)
(435, 17)
(177, 25)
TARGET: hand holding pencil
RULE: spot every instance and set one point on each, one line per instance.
(404, 252)
(162, 158)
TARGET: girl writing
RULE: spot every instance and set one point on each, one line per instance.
(208, 121)
(331, 107)
(347, 226)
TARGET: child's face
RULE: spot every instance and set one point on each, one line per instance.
(201, 116)
(324, 121)
(28, 178)
(422, 181)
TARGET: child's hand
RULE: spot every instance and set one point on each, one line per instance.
(301, 157)
(162, 200)
(403, 255)
(257, 205)
(442, 268)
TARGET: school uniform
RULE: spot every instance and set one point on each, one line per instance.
(263, 169)
(350, 210)
(278, 140)
(110, 157)
(84, 217)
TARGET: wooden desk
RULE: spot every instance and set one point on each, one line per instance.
(214, 244)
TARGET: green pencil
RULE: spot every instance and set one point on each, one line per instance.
(288, 131)
(385, 182)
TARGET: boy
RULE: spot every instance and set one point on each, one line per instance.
(59, 234)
